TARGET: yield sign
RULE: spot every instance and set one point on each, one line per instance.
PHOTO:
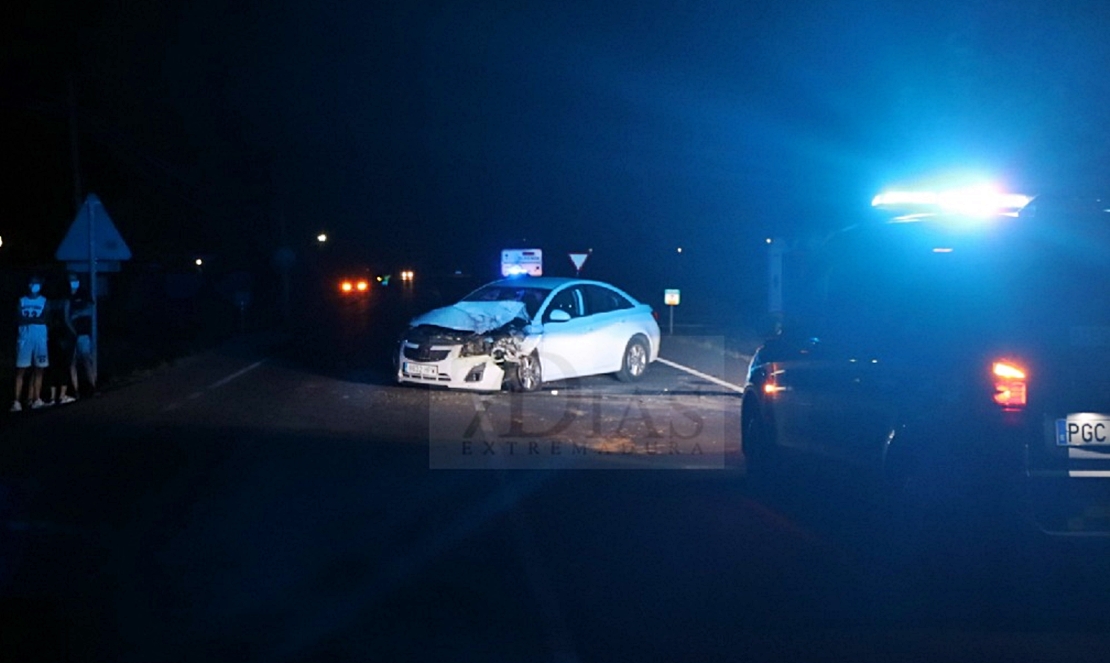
(107, 243)
(578, 259)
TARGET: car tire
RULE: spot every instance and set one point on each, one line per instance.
(527, 375)
(634, 361)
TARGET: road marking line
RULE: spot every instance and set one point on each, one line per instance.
(704, 376)
(215, 385)
(236, 374)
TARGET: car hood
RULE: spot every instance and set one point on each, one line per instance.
(477, 317)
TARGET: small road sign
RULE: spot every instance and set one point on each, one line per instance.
(578, 259)
(107, 243)
(518, 262)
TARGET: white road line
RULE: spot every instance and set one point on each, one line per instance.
(215, 385)
(236, 374)
(704, 376)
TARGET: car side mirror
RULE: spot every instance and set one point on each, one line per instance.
(558, 315)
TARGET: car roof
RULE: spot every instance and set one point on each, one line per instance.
(550, 282)
(556, 282)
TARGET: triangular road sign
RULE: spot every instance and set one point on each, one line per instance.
(108, 243)
(578, 259)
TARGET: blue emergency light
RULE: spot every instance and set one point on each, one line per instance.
(974, 201)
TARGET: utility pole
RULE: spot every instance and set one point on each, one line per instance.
(92, 289)
(75, 161)
(74, 158)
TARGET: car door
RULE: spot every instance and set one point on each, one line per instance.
(612, 325)
(563, 348)
(830, 398)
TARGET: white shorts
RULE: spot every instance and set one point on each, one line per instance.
(30, 348)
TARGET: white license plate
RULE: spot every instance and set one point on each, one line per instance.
(1083, 429)
(423, 370)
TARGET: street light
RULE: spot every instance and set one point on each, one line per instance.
(322, 237)
(198, 262)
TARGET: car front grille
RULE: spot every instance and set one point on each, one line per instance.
(424, 353)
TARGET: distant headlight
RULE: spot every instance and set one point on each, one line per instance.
(476, 346)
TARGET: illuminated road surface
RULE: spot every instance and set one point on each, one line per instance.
(286, 503)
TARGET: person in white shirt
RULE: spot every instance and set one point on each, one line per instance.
(30, 346)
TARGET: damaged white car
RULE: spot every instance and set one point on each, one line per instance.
(522, 332)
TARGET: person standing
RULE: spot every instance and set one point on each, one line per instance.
(80, 319)
(62, 340)
(30, 348)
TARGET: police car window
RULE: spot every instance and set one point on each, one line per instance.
(603, 300)
(1066, 275)
(906, 280)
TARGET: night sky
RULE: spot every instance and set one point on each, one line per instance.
(437, 133)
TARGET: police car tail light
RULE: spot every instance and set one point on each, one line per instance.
(1010, 384)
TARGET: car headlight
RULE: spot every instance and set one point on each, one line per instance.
(478, 345)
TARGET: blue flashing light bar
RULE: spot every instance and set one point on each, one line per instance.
(981, 201)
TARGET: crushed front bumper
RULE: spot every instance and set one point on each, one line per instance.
(477, 373)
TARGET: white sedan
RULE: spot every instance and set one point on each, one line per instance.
(524, 331)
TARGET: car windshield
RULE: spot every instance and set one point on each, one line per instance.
(531, 296)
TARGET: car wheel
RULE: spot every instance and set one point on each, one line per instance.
(527, 375)
(634, 362)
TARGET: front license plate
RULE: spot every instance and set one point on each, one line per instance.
(423, 370)
(1083, 429)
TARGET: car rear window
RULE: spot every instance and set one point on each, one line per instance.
(913, 279)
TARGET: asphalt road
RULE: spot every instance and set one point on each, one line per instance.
(279, 499)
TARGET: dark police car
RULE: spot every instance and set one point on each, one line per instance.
(959, 353)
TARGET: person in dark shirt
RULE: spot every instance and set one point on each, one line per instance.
(62, 374)
(80, 317)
